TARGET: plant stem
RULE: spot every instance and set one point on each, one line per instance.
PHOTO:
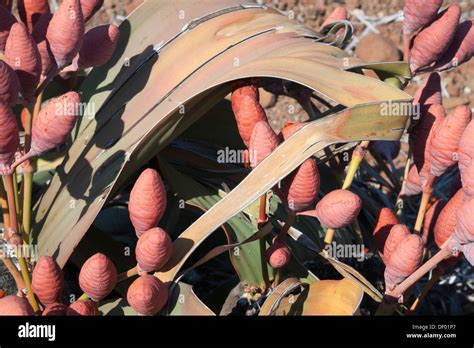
(399, 204)
(329, 236)
(406, 47)
(425, 198)
(14, 227)
(15, 190)
(357, 157)
(277, 279)
(128, 274)
(83, 297)
(5, 213)
(262, 218)
(28, 169)
(20, 284)
(420, 272)
(26, 279)
(433, 280)
(27, 197)
(262, 212)
(9, 186)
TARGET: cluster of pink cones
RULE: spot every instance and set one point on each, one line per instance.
(440, 42)
(98, 276)
(300, 190)
(97, 279)
(37, 50)
(147, 294)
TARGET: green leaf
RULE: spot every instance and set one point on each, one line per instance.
(117, 307)
(183, 301)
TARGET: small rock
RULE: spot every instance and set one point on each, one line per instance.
(377, 48)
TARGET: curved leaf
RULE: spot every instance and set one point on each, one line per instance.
(183, 301)
(141, 109)
(324, 297)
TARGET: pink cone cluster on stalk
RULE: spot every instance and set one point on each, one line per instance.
(247, 109)
(147, 295)
(147, 201)
(65, 44)
(403, 260)
(47, 281)
(106, 37)
(397, 233)
(440, 42)
(301, 187)
(262, 142)
(55, 309)
(278, 254)
(433, 41)
(338, 208)
(446, 138)
(10, 138)
(83, 308)
(35, 50)
(153, 250)
(22, 54)
(417, 14)
(15, 305)
(30, 57)
(98, 277)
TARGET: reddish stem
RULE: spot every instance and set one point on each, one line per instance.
(11, 206)
(425, 198)
(406, 47)
(447, 250)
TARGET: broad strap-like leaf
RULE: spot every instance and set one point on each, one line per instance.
(324, 297)
(357, 123)
(142, 110)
